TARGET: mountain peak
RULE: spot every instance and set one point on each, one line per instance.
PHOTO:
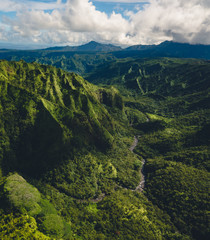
(100, 47)
(91, 46)
(93, 43)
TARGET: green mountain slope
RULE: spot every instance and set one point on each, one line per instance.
(66, 171)
(159, 76)
(79, 62)
(181, 85)
(46, 113)
(177, 168)
(173, 94)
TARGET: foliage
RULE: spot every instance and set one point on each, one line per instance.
(17, 226)
(133, 217)
(156, 78)
(181, 191)
(37, 99)
(70, 140)
(177, 172)
(27, 201)
(22, 195)
(69, 61)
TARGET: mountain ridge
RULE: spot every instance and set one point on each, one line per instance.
(47, 98)
(164, 49)
(66, 170)
(90, 46)
(167, 49)
(89, 57)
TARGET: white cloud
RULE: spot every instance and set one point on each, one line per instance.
(9, 6)
(176, 20)
(18, 5)
(78, 21)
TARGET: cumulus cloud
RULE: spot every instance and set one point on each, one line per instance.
(9, 6)
(177, 20)
(78, 21)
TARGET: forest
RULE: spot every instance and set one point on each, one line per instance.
(66, 167)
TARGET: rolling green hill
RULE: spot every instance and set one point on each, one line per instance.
(79, 62)
(62, 143)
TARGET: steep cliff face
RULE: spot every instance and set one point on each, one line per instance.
(110, 97)
(46, 114)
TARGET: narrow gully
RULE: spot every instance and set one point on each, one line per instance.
(140, 187)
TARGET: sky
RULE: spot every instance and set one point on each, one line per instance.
(36, 23)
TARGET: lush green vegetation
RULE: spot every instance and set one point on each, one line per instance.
(177, 170)
(66, 171)
(156, 78)
(167, 101)
(88, 57)
(78, 62)
(183, 192)
(29, 206)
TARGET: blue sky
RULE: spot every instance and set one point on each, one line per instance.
(35, 23)
(119, 7)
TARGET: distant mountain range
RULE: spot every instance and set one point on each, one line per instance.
(169, 49)
(164, 49)
(88, 57)
(91, 46)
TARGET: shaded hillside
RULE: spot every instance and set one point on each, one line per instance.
(164, 76)
(177, 168)
(46, 113)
